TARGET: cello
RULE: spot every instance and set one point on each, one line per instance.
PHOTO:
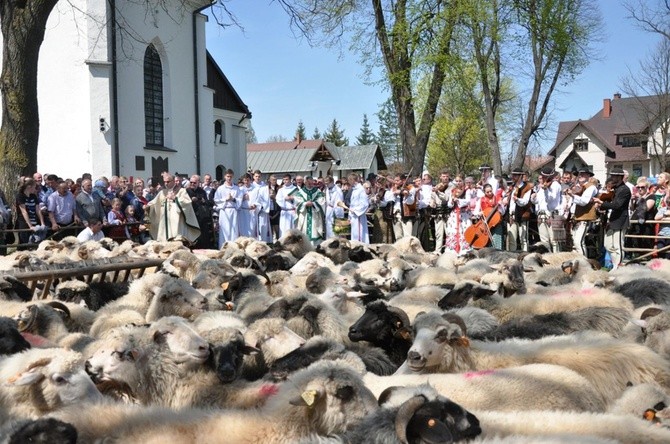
(478, 235)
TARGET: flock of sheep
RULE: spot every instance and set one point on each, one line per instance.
(345, 343)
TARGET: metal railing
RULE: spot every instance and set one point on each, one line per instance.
(647, 252)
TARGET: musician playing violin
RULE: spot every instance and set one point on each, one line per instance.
(442, 191)
(519, 212)
(484, 207)
(584, 208)
(618, 217)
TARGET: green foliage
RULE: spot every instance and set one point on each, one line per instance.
(366, 136)
(335, 134)
(388, 136)
(300, 131)
(317, 134)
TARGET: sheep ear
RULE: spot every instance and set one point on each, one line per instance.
(355, 294)
(181, 264)
(528, 269)
(403, 333)
(460, 342)
(386, 394)
(306, 399)
(30, 375)
(249, 350)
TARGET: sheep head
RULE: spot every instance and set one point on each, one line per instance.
(380, 324)
(435, 334)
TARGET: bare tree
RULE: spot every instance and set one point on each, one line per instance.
(651, 17)
(650, 90)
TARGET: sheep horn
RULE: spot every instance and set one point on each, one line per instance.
(455, 319)
(265, 275)
(401, 314)
(27, 325)
(59, 306)
(404, 415)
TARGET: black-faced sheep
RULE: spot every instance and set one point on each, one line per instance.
(12, 289)
(440, 345)
(94, 294)
(415, 415)
(11, 340)
(646, 291)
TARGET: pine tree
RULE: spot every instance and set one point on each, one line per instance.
(388, 136)
(335, 135)
(300, 131)
(366, 136)
(317, 133)
(251, 134)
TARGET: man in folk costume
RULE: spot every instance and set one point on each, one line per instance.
(426, 203)
(618, 218)
(334, 202)
(357, 207)
(171, 213)
(404, 207)
(286, 204)
(227, 199)
(519, 212)
(310, 205)
(585, 210)
(247, 220)
(263, 208)
(549, 208)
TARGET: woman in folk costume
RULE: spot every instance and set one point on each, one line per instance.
(358, 206)
(171, 213)
(247, 218)
(484, 206)
(459, 218)
(310, 205)
(227, 200)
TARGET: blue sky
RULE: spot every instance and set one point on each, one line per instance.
(283, 80)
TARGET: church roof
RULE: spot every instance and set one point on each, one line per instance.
(357, 157)
(225, 96)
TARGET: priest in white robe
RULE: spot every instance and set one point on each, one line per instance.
(263, 208)
(227, 201)
(310, 204)
(358, 205)
(287, 205)
(334, 200)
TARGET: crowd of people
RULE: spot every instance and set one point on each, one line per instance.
(558, 211)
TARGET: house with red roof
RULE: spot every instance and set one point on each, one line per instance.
(623, 134)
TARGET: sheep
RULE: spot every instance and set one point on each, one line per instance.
(277, 260)
(416, 415)
(39, 431)
(516, 306)
(94, 295)
(274, 339)
(323, 278)
(655, 324)
(325, 399)
(295, 242)
(527, 387)
(181, 264)
(212, 274)
(210, 320)
(152, 296)
(645, 291)
(440, 345)
(315, 349)
(12, 289)
(227, 349)
(248, 294)
(39, 381)
(583, 425)
(317, 318)
(605, 319)
(639, 399)
(310, 262)
(346, 303)
(336, 249)
(11, 340)
(386, 327)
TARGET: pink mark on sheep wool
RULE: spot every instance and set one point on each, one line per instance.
(268, 390)
(655, 264)
(473, 375)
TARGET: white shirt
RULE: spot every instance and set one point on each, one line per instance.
(87, 235)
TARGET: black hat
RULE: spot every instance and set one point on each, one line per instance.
(518, 171)
(586, 171)
(617, 172)
(484, 167)
(548, 171)
(371, 176)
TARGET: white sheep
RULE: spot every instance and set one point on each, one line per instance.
(528, 387)
(441, 346)
(39, 381)
(325, 399)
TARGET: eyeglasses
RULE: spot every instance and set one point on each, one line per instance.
(194, 183)
(641, 188)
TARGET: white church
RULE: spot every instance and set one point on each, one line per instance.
(130, 89)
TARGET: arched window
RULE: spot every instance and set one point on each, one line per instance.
(218, 131)
(219, 172)
(153, 97)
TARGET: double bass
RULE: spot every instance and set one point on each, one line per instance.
(478, 235)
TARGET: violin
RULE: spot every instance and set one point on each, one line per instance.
(606, 196)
